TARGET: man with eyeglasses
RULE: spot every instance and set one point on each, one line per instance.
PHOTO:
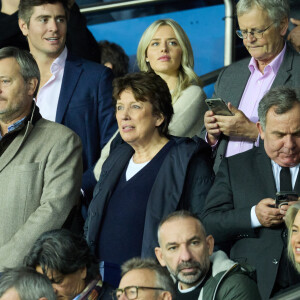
(144, 279)
(262, 26)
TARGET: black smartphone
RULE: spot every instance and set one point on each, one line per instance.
(218, 106)
(282, 198)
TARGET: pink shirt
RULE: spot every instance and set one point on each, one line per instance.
(47, 98)
(258, 84)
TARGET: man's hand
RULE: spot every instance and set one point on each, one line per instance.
(294, 36)
(268, 216)
(284, 208)
(238, 125)
(212, 128)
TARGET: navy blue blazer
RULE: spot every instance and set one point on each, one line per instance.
(85, 106)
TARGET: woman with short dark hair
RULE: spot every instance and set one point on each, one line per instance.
(148, 175)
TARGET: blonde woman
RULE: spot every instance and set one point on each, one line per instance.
(165, 49)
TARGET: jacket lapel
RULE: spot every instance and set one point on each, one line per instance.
(297, 183)
(14, 147)
(264, 166)
(285, 69)
(71, 76)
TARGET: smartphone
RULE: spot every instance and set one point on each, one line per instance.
(219, 107)
(282, 198)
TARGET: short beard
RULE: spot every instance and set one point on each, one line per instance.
(189, 278)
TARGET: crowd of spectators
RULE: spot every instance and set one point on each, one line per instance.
(118, 185)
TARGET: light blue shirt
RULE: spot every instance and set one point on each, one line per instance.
(13, 126)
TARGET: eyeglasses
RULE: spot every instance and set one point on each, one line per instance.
(257, 33)
(131, 292)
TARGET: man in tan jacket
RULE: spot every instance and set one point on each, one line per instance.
(40, 162)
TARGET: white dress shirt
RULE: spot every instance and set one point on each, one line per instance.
(47, 98)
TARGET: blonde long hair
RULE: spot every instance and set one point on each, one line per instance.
(289, 221)
(186, 76)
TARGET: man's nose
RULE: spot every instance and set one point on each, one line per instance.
(185, 254)
(289, 141)
(53, 25)
(250, 37)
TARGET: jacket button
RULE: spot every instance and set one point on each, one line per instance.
(275, 261)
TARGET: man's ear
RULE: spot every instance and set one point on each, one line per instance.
(23, 26)
(284, 25)
(165, 295)
(260, 130)
(32, 86)
(210, 242)
(159, 256)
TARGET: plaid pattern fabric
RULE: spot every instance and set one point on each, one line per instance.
(92, 291)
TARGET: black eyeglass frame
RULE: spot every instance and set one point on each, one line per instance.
(125, 289)
(253, 33)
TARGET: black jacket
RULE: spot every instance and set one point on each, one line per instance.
(182, 182)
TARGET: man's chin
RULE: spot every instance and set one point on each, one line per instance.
(189, 277)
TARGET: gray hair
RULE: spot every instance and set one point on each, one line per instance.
(28, 283)
(163, 278)
(283, 98)
(277, 10)
(28, 66)
(289, 221)
(179, 214)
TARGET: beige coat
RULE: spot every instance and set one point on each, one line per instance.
(40, 179)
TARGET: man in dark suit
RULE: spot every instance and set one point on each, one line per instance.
(73, 91)
(240, 208)
(242, 84)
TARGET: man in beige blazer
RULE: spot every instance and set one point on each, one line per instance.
(40, 162)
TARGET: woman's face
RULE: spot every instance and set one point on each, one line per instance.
(136, 122)
(164, 52)
(66, 287)
(295, 237)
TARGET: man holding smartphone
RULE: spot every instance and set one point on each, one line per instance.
(240, 207)
(242, 85)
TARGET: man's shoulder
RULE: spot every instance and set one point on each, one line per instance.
(87, 65)
(234, 281)
(245, 156)
(54, 128)
(240, 64)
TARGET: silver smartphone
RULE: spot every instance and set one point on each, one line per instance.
(218, 106)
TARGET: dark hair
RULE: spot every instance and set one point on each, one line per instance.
(26, 8)
(28, 283)
(179, 214)
(62, 251)
(28, 66)
(282, 98)
(162, 276)
(114, 54)
(147, 86)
